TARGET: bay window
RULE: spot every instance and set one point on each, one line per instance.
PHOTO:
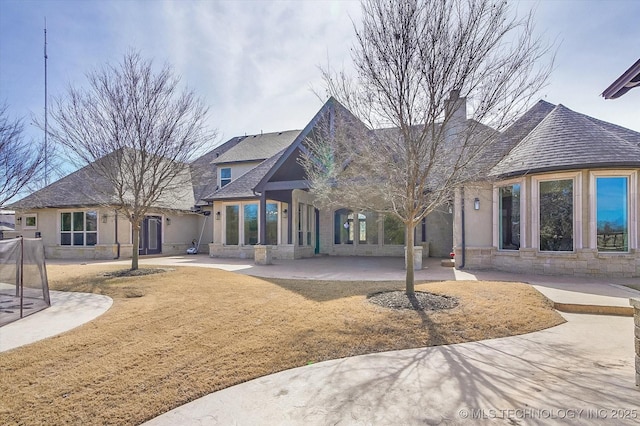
(612, 213)
(556, 209)
(509, 217)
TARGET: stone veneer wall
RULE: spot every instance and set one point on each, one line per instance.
(282, 251)
(636, 309)
(98, 252)
(584, 262)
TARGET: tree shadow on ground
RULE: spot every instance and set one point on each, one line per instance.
(324, 291)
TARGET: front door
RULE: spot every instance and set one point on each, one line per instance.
(151, 235)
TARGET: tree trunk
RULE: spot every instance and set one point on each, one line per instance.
(409, 280)
(136, 246)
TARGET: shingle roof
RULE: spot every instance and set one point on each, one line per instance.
(516, 132)
(244, 185)
(565, 139)
(204, 173)
(85, 187)
(258, 147)
(80, 188)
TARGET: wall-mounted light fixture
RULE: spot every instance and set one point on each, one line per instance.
(168, 220)
(284, 213)
(104, 218)
(476, 204)
(19, 220)
(218, 214)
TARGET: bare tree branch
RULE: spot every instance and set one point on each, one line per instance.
(135, 129)
(20, 161)
(435, 83)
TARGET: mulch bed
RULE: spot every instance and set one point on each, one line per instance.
(421, 300)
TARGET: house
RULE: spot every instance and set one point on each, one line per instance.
(77, 218)
(560, 197)
(264, 200)
(255, 190)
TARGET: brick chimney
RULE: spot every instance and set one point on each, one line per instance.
(455, 107)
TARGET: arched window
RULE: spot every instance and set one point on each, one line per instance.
(343, 226)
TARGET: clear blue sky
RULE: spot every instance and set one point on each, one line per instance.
(255, 62)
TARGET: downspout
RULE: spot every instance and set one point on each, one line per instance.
(116, 231)
(464, 246)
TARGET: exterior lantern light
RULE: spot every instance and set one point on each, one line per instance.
(476, 204)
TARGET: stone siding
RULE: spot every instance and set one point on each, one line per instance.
(282, 251)
(636, 309)
(585, 262)
(98, 252)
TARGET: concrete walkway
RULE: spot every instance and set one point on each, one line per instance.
(580, 372)
(67, 311)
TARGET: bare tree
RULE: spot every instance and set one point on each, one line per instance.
(136, 131)
(437, 80)
(20, 161)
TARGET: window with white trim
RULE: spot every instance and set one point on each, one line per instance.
(250, 220)
(343, 226)
(242, 225)
(612, 213)
(225, 176)
(232, 224)
(30, 221)
(509, 217)
(556, 214)
(79, 228)
(272, 224)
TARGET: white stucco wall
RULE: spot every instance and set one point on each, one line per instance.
(176, 236)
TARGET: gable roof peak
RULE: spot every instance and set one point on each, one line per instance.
(258, 147)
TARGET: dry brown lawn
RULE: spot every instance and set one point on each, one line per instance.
(173, 337)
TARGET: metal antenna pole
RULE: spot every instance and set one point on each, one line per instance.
(21, 276)
(46, 124)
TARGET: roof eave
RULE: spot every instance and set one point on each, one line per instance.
(568, 167)
(236, 197)
(621, 85)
